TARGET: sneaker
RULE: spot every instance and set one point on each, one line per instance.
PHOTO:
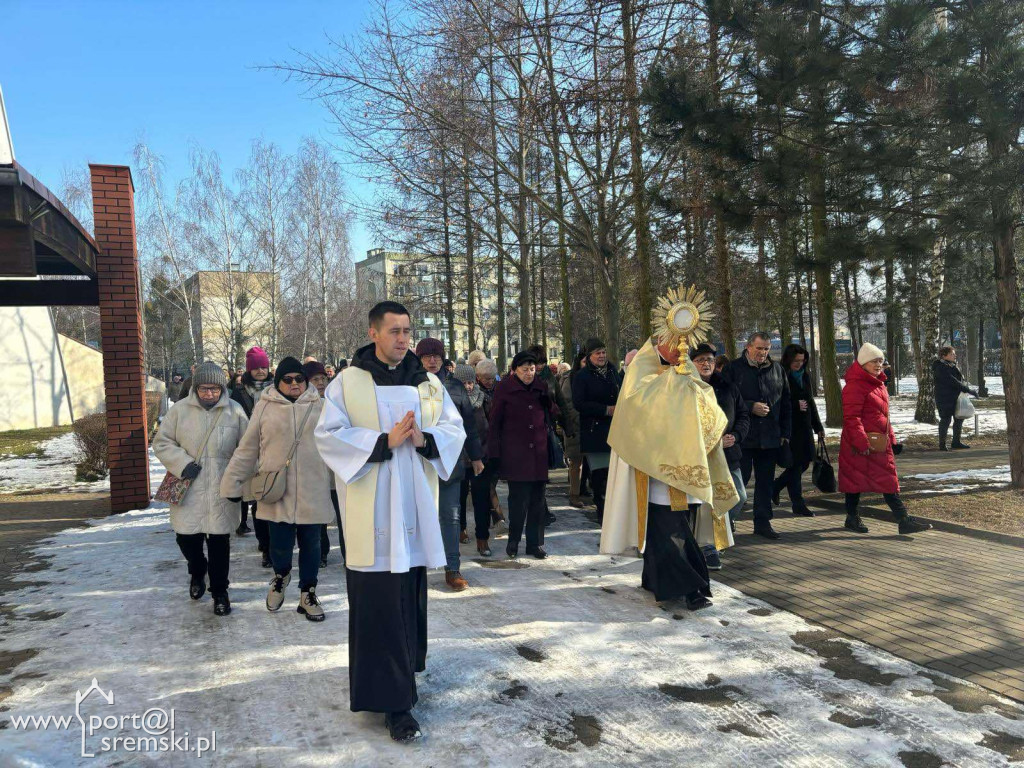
(854, 523)
(265, 562)
(275, 595)
(713, 559)
(766, 530)
(537, 552)
(910, 525)
(483, 547)
(221, 605)
(402, 726)
(455, 581)
(310, 606)
(196, 587)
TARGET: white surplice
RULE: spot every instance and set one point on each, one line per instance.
(407, 533)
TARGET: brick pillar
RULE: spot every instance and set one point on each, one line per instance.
(124, 378)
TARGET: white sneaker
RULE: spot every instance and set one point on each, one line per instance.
(275, 595)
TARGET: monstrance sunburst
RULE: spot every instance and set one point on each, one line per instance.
(682, 318)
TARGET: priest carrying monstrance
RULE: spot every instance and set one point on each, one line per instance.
(388, 430)
(667, 467)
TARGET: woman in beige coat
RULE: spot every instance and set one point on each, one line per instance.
(285, 414)
(203, 516)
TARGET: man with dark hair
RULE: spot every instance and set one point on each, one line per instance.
(389, 432)
(762, 384)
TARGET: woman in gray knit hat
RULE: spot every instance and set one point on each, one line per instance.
(196, 440)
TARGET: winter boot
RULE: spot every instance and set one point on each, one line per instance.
(196, 587)
(854, 523)
(275, 595)
(221, 604)
(455, 581)
(765, 529)
(800, 509)
(942, 445)
(242, 529)
(910, 525)
(310, 606)
(402, 726)
(483, 547)
(696, 600)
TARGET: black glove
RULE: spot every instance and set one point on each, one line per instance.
(973, 393)
(897, 449)
(235, 499)
(191, 471)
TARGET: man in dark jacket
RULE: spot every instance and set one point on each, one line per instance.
(736, 429)
(949, 385)
(431, 354)
(765, 391)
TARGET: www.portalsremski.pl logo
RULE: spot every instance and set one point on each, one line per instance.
(151, 732)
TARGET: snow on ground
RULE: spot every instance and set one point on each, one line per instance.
(55, 471)
(901, 414)
(963, 480)
(561, 662)
(908, 384)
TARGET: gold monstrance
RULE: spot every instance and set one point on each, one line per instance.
(682, 319)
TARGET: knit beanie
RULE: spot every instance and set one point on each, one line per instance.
(256, 358)
(313, 368)
(464, 373)
(702, 349)
(287, 366)
(208, 373)
(430, 346)
(869, 352)
(475, 357)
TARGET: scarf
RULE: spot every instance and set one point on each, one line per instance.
(476, 397)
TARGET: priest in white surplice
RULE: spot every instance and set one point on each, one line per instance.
(388, 431)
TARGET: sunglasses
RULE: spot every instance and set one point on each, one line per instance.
(293, 379)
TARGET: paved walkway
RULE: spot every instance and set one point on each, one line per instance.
(951, 602)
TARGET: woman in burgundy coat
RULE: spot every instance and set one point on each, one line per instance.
(866, 409)
(517, 437)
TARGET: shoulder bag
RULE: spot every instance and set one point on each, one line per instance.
(878, 442)
(173, 488)
(270, 486)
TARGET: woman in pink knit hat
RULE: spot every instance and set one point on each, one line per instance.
(255, 379)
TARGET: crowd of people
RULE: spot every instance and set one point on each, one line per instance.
(395, 446)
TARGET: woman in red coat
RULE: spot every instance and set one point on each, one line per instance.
(517, 439)
(866, 410)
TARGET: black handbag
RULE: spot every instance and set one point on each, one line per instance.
(784, 458)
(823, 475)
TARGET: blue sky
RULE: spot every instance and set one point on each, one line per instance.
(83, 81)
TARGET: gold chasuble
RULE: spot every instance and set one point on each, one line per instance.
(360, 495)
(667, 426)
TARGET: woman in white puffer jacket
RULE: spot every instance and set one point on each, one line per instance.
(203, 516)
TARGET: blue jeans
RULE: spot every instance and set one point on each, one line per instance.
(448, 509)
(282, 544)
(741, 489)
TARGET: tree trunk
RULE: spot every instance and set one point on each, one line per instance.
(980, 355)
(723, 274)
(892, 323)
(931, 334)
(1008, 300)
(470, 250)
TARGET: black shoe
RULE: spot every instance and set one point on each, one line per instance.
(266, 561)
(537, 552)
(800, 510)
(766, 530)
(242, 529)
(323, 562)
(402, 726)
(942, 447)
(549, 519)
(512, 550)
(196, 587)
(221, 605)
(775, 498)
(910, 525)
(696, 601)
(854, 523)
(960, 446)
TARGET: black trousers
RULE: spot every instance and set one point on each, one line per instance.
(792, 480)
(599, 482)
(525, 506)
(896, 505)
(218, 547)
(760, 462)
(325, 542)
(674, 565)
(245, 511)
(387, 638)
(262, 530)
(945, 417)
(480, 490)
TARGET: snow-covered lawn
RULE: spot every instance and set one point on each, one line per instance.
(908, 384)
(901, 414)
(963, 480)
(561, 662)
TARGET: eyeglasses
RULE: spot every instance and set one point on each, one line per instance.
(294, 379)
(214, 390)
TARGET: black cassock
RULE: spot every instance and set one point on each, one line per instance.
(387, 638)
(674, 565)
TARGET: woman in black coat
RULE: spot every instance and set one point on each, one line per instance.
(806, 424)
(595, 389)
(949, 385)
